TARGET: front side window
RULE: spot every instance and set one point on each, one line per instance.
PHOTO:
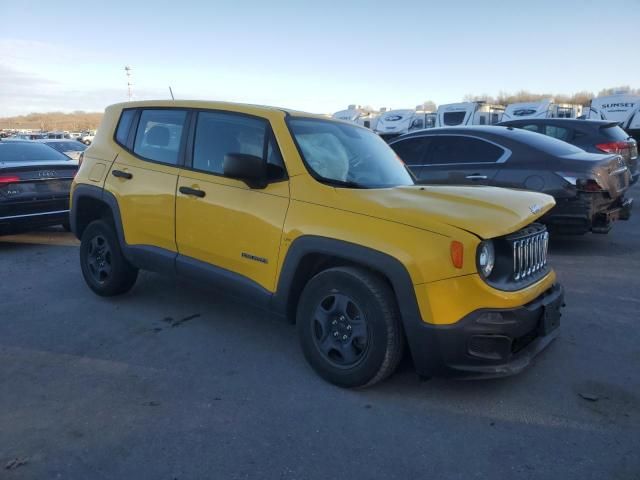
(219, 134)
(347, 155)
(412, 151)
(159, 135)
(454, 149)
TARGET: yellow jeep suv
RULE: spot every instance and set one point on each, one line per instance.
(319, 221)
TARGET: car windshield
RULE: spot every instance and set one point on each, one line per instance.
(28, 152)
(347, 155)
(68, 146)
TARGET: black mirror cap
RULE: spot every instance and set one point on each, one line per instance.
(249, 168)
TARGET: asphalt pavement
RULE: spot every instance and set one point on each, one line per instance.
(175, 381)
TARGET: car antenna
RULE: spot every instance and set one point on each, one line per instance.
(171, 92)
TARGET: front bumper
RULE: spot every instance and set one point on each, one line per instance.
(489, 342)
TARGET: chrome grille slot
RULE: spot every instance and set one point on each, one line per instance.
(529, 249)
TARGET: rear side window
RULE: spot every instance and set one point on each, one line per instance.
(124, 126)
(531, 128)
(560, 133)
(412, 151)
(219, 134)
(453, 149)
(159, 135)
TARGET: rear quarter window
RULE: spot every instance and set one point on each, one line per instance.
(614, 133)
(124, 126)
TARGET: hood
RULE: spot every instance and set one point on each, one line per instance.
(487, 212)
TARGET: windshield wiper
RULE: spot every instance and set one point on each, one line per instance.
(342, 183)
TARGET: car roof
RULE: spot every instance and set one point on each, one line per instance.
(56, 140)
(567, 121)
(215, 105)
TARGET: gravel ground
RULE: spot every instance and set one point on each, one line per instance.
(173, 381)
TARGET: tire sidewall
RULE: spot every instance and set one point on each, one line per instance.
(339, 281)
(119, 267)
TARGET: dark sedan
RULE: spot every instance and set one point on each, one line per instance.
(595, 136)
(588, 188)
(35, 181)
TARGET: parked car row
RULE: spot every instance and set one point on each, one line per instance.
(317, 220)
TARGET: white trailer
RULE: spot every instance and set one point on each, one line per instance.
(398, 122)
(468, 113)
(621, 107)
(364, 116)
(544, 109)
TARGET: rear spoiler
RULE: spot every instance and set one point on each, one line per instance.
(610, 125)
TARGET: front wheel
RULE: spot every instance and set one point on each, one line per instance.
(349, 327)
(104, 267)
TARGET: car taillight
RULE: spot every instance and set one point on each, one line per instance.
(580, 182)
(613, 147)
(588, 185)
(9, 179)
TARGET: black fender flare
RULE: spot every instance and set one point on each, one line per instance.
(383, 263)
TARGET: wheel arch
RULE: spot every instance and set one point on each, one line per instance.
(309, 255)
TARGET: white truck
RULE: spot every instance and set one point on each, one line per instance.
(468, 113)
(544, 109)
(398, 122)
(365, 116)
(622, 107)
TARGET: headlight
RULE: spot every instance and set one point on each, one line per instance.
(486, 258)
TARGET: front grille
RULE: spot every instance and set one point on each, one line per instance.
(529, 253)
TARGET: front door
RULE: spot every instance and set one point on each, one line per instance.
(461, 160)
(221, 221)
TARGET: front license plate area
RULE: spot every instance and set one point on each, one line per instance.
(551, 317)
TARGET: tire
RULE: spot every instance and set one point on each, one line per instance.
(104, 267)
(361, 307)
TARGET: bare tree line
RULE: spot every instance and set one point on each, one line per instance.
(579, 98)
(52, 121)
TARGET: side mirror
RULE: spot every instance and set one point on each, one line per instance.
(248, 168)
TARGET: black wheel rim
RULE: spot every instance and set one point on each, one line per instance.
(99, 259)
(340, 331)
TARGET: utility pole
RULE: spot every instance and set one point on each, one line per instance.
(127, 70)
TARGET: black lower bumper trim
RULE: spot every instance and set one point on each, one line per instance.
(489, 343)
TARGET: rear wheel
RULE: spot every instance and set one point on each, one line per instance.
(104, 267)
(349, 327)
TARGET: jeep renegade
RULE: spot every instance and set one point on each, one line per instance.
(319, 221)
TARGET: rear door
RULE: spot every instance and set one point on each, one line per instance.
(144, 175)
(462, 160)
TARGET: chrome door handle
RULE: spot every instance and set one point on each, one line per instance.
(476, 177)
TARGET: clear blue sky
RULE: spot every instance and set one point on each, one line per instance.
(311, 55)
